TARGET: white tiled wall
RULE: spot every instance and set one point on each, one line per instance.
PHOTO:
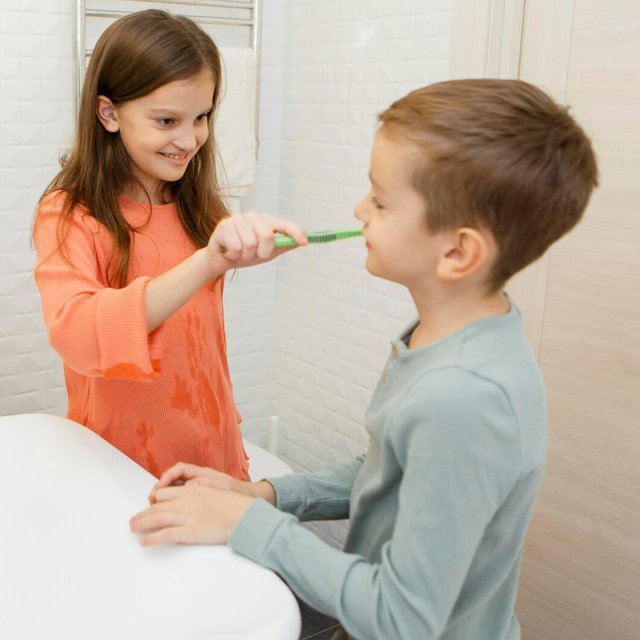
(35, 117)
(250, 295)
(345, 61)
(307, 334)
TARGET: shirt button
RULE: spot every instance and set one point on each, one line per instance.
(394, 351)
(384, 378)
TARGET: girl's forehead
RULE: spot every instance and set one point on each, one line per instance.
(186, 91)
(201, 81)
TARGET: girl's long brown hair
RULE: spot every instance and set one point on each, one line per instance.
(136, 55)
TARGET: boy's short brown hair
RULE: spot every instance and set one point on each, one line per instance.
(501, 155)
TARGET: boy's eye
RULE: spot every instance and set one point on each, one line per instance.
(375, 203)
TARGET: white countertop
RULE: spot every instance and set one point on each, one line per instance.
(70, 568)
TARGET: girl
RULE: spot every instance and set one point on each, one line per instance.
(133, 240)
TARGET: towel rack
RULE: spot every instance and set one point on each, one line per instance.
(229, 22)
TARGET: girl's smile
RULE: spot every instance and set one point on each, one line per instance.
(177, 159)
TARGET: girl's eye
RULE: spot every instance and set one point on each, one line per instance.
(203, 117)
(165, 122)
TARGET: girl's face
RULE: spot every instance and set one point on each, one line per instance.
(163, 130)
(400, 247)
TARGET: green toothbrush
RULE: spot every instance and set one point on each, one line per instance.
(317, 237)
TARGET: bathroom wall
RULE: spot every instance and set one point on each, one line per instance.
(345, 61)
(35, 120)
(251, 293)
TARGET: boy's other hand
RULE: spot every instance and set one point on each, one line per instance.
(190, 515)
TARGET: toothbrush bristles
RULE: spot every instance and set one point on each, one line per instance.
(321, 237)
(317, 237)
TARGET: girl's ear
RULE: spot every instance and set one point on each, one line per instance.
(107, 114)
(466, 251)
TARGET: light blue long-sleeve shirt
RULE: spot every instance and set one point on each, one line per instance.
(439, 505)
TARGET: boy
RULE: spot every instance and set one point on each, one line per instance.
(471, 180)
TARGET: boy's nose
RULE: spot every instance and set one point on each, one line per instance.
(359, 211)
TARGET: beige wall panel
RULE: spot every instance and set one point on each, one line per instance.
(581, 574)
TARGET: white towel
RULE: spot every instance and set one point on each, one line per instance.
(235, 126)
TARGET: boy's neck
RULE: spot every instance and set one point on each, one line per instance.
(442, 315)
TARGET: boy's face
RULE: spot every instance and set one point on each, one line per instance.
(399, 246)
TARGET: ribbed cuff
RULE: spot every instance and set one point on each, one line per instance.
(290, 492)
(252, 535)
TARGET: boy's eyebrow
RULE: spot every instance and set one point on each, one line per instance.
(374, 183)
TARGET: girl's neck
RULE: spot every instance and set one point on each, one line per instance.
(161, 195)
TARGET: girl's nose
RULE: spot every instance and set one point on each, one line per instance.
(186, 139)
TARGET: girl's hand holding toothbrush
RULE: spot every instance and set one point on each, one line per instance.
(246, 239)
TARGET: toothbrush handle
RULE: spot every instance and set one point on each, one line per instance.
(284, 241)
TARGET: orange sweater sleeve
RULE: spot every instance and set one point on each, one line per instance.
(98, 331)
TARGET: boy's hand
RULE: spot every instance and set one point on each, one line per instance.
(190, 515)
(246, 239)
(191, 474)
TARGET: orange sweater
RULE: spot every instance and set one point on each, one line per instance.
(162, 397)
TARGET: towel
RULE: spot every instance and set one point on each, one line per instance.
(235, 125)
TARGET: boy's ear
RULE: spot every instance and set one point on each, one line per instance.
(107, 114)
(465, 252)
